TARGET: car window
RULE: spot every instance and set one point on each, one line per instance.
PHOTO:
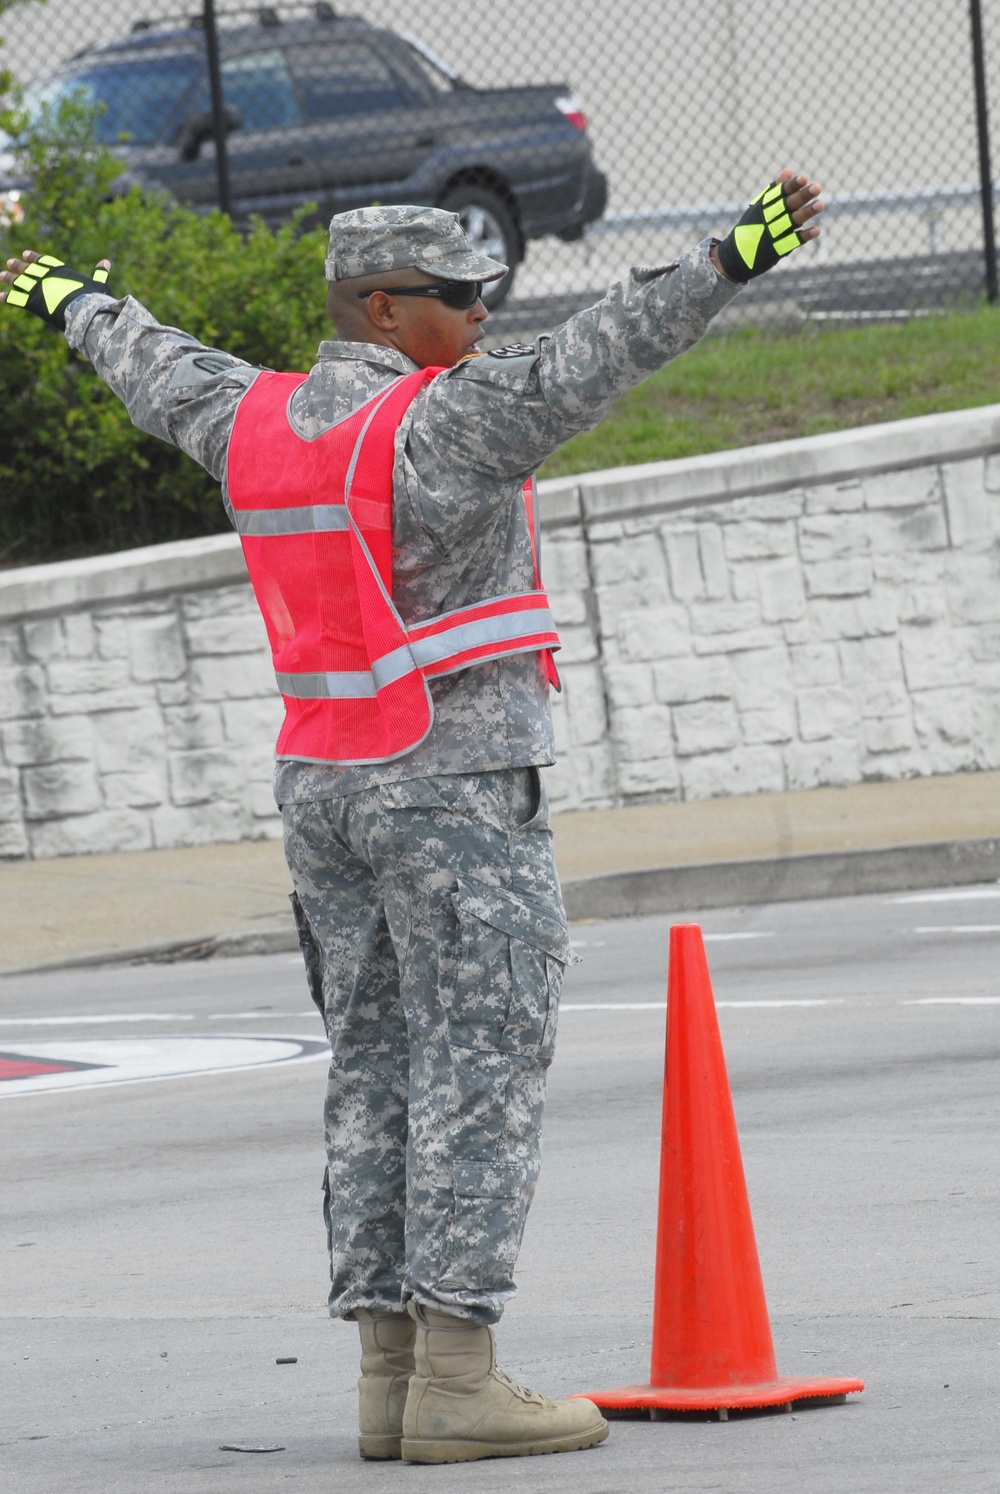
(141, 98)
(259, 85)
(343, 78)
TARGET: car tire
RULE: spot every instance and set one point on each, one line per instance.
(492, 227)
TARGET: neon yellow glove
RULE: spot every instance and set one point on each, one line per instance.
(762, 236)
(46, 287)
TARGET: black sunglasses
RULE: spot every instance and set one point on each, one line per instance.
(461, 294)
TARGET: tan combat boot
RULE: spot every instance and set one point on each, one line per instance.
(461, 1407)
(386, 1367)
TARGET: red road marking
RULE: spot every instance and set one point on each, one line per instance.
(23, 1066)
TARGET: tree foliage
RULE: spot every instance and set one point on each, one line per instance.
(75, 476)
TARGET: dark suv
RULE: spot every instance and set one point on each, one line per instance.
(329, 109)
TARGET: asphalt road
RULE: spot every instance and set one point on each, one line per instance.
(162, 1244)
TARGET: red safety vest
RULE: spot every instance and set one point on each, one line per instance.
(315, 519)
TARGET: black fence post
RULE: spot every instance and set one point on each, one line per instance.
(983, 131)
(218, 105)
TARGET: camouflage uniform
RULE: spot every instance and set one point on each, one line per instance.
(426, 893)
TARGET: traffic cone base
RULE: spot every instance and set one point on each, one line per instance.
(779, 1392)
(711, 1344)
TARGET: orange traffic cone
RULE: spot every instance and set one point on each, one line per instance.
(712, 1346)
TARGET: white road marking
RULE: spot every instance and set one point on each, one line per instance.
(659, 1006)
(953, 895)
(118, 1061)
(953, 1001)
(89, 1021)
(958, 928)
(720, 938)
(258, 1016)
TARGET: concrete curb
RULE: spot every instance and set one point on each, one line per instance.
(669, 889)
(656, 889)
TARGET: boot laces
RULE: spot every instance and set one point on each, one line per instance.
(521, 1391)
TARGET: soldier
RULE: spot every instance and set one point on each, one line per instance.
(387, 516)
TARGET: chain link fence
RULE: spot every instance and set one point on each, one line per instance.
(575, 138)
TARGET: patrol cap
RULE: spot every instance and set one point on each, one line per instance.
(370, 240)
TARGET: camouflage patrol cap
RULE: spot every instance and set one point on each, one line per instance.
(370, 240)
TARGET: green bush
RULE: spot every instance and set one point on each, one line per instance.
(75, 476)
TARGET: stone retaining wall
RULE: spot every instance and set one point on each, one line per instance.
(809, 613)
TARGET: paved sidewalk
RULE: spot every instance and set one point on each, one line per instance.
(222, 899)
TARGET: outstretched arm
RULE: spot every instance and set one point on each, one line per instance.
(171, 384)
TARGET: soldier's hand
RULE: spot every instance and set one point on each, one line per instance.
(776, 222)
(45, 286)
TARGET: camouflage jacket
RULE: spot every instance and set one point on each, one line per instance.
(469, 440)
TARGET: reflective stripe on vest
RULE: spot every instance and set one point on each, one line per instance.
(352, 674)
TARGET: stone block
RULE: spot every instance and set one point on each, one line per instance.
(218, 601)
(238, 677)
(864, 659)
(583, 688)
(972, 518)
(893, 734)
(95, 703)
(92, 834)
(111, 637)
(834, 498)
(639, 565)
(642, 733)
(78, 629)
(724, 617)
(187, 727)
(854, 617)
(782, 597)
(815, 664)
(944, 715)
(10, 795)
(824, 537)
(629, 684)
(44, 739)
(44, 639)
(253, 723)
(772, 724)
(972, 587)
(751, 770)
(983, 643)
(22, 691)
(921, 605)
(822, 764)
(931, 659)
(684, 563)
(705, 726)
(560, 725)
(208, 824)
(142, 790)
(754, 540)
(654, 633)
(734, 643)
(564, 563)
(796, 631)
(156, 648)
(60, 789)
(205, 776)
(569, 608)
(769, 509)
(839, 578)
(761, 680)
(174, 692)
(14, 844)
(239, 633)
(127, 741)
(991, 473)
(986, 726)
(713, 560)
(87, 676)
(579, 646)
(648, 776)
(877, 698)
(11, 647)
(259, 801)
(743, 583)
(908, 489)
(684, 680)
(905, 529)
(826, 713)
(594, 772)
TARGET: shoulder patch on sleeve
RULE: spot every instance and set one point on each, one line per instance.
(512, 350)
(201, 368)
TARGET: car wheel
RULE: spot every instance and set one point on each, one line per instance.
(491, 226)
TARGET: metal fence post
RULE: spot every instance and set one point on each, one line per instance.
(983, 131)
(218, 106)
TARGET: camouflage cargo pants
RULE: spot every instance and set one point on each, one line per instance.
(435, 939)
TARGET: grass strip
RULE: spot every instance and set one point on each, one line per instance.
(753, 386)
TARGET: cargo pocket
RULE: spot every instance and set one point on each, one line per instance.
(310, 953)
(484, 1237)
(510, 974)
